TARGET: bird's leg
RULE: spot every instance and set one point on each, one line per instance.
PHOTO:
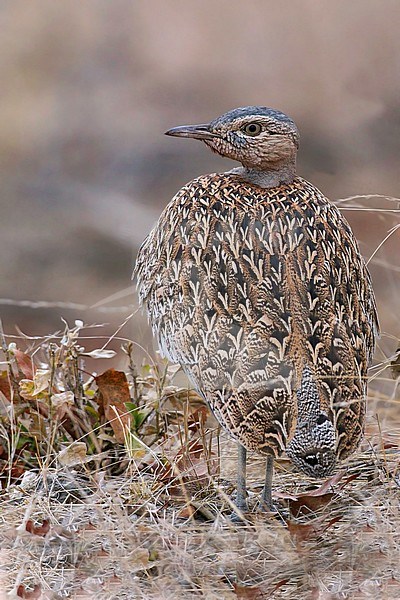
(266, 497)
(241, 500)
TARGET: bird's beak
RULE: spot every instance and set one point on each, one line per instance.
(198, 132)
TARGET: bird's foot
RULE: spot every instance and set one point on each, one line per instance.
(238, 515)
(237, 518)
(266, 507)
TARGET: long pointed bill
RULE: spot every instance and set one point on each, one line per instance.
(198, 132)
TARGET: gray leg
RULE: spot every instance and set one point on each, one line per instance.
(241, 500)
(266, 498)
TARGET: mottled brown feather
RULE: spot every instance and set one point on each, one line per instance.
(246, 286)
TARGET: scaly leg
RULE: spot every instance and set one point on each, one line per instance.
(241, 500)
(266, 498)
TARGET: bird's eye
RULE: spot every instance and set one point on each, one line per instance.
(252, 129)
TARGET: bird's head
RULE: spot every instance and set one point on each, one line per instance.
(313, 446)
(312, 449)
(260, 138)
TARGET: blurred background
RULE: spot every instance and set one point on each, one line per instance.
(88, 88)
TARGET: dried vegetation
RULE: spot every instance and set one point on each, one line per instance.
(113, 487)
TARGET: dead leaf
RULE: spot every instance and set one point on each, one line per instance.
(280, 584)
(192, 463)
(26, 389)
(22, 592)
(24, 362)
(62, 399)
(302, 532)
(41, 530)
(17, 470)
(37, 388)
(41, 380)
(178, 398)
(257, 592)
(73, 454)
(246, 592)
(333, 521)
(306, 504)
(203, 510)
(197, 419)
(5, 387)
(348, 479)
(330, 482)
(186, 512)
(112, 397)
(314, 500)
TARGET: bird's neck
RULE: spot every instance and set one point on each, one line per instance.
(272, 175)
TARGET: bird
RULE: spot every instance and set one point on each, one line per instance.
(253, 282)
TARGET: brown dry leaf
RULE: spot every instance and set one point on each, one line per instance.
(257, 592)
(186, 512)
(17, 470)
(5, 387)
(314, 500)
(245, 592)
(201, 466)
(74, 454)
(197, 419)
(190, 463)
(279, 584)
(348, 479)
(111, 583)
(41, 530)
(180, 397)
(22, 592)
(302, 532)
(333, 521)
(112, 397)
(331, 481)
(24, 362)
(306, 504)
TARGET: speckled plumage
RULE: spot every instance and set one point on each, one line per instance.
(263, 297)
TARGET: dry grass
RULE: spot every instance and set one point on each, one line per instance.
(150, 522)
(118, 538)
(137, 505)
